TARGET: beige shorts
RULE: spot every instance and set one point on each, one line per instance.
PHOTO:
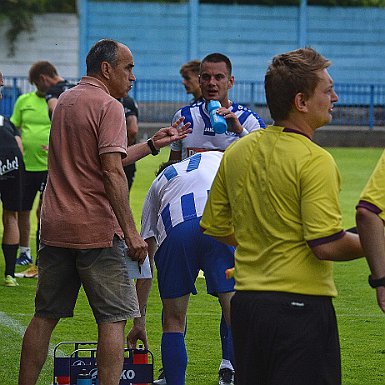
(103, 274)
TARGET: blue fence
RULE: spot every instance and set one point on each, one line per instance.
(358, 105)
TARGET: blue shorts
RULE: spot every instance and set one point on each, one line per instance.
(184, 252)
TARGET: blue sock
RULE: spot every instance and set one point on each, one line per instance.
(174, 358)
(226, 341)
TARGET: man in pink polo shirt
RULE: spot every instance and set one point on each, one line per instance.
(86, 220)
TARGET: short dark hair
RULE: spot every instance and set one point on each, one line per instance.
(104, 50)
(41, 68)
(291, 73)
(218, 58)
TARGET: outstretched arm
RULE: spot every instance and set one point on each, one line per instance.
(371, 230)
(346, 248)
(160, 139)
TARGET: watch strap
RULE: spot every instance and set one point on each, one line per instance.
(150, 144)
(374, 283)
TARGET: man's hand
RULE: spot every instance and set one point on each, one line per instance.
(167, 135)
(138, 332)
(233, 123)
(137, 247)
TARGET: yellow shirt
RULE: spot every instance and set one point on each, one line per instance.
(277, 192)
(373, 195)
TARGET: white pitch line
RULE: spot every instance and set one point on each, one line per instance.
(16, 327)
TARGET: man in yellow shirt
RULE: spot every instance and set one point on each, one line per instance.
(370, 219)
(275, 197)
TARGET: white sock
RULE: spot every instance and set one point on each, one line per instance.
(25, 249)
(226, 364)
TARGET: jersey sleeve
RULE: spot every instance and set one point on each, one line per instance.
(320, 207)
(112, 129)
(53, 93)
(130, 107)
(149, 216)
(373, 195)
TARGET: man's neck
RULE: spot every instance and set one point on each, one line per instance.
(297, 125)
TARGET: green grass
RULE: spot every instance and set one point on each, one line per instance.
(361, 324)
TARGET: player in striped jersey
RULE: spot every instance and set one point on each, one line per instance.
(215, 81)
(170, 226)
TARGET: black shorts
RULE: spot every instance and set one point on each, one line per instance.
(283, 338)
(11, 190)
(33, 182)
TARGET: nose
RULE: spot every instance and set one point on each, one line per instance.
(334, 97)
(212, 80)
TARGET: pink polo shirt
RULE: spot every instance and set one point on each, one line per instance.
(76, 213)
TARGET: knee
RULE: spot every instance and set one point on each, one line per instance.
(9, 218)
(174, 322)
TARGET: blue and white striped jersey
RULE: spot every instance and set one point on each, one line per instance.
(178, 194)
(203, 138)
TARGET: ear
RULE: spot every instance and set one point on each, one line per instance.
(231, 81)
(300, 102)
(105, 69)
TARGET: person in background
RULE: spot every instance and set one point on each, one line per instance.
(30, 116)
(131, 113)
(190, 74)
(276, 198)
(87, 228)
(215, 81)
(55, 85)
(170, 226)
(11, 169)
(370, 223)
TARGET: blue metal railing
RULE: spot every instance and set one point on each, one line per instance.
(358, 105)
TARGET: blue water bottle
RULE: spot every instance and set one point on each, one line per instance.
(218, 122)
(84, 378)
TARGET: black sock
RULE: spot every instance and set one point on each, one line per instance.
(10, 253)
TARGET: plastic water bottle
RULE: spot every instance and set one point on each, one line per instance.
(63, 380)
(84, 378)
(218, 122)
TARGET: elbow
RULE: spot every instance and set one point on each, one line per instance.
(363, 215)
(323, 252)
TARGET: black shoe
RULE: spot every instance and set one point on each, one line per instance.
(161, 379)
(226, 376)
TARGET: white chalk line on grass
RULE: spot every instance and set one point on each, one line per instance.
(16, 327)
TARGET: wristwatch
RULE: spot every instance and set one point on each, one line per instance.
(376, 282)
(150, 144)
